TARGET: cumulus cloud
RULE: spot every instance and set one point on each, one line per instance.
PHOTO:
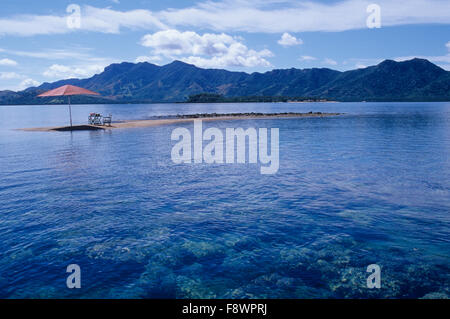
(207, 50)
(329, 61)
(8, 62)
(28, 83)
(238, 55)
(64, 71)
(173, 42)
(15, 81)
(289, 40)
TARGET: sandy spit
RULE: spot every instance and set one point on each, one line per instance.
(181, 119)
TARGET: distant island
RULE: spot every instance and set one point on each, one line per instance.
(412, 80)
(219, 98)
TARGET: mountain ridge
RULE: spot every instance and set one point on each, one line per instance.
(411, 80)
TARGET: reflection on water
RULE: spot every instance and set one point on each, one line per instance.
(372, 186)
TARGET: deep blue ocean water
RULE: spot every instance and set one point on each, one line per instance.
(369, 187)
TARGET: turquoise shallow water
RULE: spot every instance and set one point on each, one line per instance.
(372, 186)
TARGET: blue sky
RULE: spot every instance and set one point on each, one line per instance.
(42, 41)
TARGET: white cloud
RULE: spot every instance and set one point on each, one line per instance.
(207, 50)
(276, 16)
(10, 75)
(289, 40)
(238, 55)
(150, 59)
(28, 25)
(448, 45)
(329, 61)
(15, 82)
(86, 63)
(112, 21)
(360, 63)
(53, 54)
(270, 16)
(64, 71)
(28, 83)
(307, 58)
(94, 19)
(79, 54)
(8, 62)
(173, 42)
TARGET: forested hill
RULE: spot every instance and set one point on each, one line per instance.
(412, 80)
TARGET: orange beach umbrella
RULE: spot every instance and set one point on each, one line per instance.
(68, 90)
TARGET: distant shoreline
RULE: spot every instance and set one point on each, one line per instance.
(184, 102)
(290, 102)
(182, 119)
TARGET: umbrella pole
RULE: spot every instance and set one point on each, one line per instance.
(70, 112)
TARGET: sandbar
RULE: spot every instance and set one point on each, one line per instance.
(179, 119)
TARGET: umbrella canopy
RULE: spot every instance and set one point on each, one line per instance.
(68, 90)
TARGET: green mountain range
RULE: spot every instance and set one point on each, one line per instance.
(412, 80)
